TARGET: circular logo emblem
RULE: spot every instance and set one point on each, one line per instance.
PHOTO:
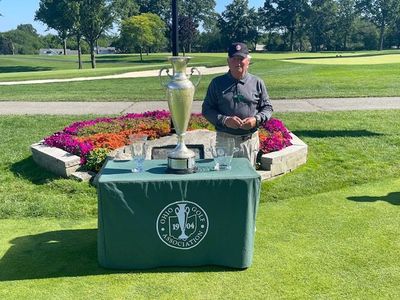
(238, 47)
(182, 225)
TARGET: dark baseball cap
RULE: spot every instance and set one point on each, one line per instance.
(238, 49)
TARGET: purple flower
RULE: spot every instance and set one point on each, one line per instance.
(157, 114)
(70, 144)
(278, 136)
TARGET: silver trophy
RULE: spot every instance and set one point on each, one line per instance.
(180, 92)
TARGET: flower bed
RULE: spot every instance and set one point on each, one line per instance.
(92, 140)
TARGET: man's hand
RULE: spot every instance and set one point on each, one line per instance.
(233, 122)
(248, 123)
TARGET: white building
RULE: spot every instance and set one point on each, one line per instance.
(106, 50)
(52, 51)
(260, 47)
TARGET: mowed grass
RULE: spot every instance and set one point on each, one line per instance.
(287, 75)
(330, 245)
(327, 230)
(345, 149)
(34, 67)
(349, 60)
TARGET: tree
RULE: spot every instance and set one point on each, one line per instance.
(6, 45)
(95, 18)
(64, 17)
(211, 41)
(58, 15)
(394, 34)
(51, 41)
(289, 15)
(322, 23)
(125, 9)
(187, 33)
(23, 40)
(382, 13)
(199, 11)
(267, 19)
(191, 15)
(346, 17)
(238, 22)
(365, 35)
(143, 31)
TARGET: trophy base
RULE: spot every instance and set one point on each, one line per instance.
(181, 165)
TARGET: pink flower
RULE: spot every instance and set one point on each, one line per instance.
(277, 137)
(274, 136)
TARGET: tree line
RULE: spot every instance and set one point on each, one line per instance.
(144, 26)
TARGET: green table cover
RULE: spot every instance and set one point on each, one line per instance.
(155, 219)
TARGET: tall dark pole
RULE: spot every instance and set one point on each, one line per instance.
(175, 46)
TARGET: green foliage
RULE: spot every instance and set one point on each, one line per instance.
(322, 24)
(95, 17)
(52, 41)
(101, 127)
(59, 15)
(143, 31)
(381, 13)
(187, 32)
(290, 15)
(23, 40)
(125, 9)
(199, 122)
(160, 8)
(6, 45)
(96, 159)
(200, 11)
(345, 21)
(364, 36)
(238, 22)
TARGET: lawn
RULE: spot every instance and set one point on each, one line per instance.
(27, 67)
(327, 230)
(287, 75)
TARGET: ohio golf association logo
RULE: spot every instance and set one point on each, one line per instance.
(182, 225)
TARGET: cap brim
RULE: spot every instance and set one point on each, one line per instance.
(243, 55)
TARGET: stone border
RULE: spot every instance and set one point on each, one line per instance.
(273, 164)
(284, 161)
(55, 160)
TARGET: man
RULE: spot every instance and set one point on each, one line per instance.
(237, 103)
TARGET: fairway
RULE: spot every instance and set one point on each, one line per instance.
(287, 76)
(349, 60)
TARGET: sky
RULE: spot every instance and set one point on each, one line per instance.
(15, 12)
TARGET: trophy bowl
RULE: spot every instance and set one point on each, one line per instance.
(180, 93)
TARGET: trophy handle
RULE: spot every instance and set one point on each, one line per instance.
(198, 73)
(162, 82)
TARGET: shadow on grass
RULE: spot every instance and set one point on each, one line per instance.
(136, 61)
(392, 198)
(28, 169)
(335, 133)
(338, 55)
(12, 69)
(66, 253)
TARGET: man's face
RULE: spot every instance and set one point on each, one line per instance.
(238, 66)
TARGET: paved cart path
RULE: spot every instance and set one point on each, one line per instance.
(106, 108)
(80, 108)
